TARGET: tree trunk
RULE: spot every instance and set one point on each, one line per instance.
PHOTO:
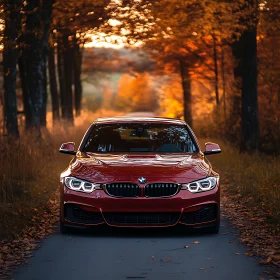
(245, 52)
(77, 77)
(186, 85)
(25, 94)
(53, 85)
(61, 79)
(250, 117)
(68, 76)
(32, 55)
(43, 112)
(36, 19)
(46, 22)
(10, 54)
(224, 85)
(215, 53)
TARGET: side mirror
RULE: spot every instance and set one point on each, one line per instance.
(68, 148)
(212, 148)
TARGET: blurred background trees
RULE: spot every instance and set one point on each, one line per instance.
(213, 63)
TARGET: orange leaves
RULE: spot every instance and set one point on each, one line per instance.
(136, 93)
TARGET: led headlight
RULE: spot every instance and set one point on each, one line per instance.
(203, 185)
(75, 184)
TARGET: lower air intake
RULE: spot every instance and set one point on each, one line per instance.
(163, 219)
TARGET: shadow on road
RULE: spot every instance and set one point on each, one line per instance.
(169, 232)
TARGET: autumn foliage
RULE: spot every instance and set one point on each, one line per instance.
(215, 64)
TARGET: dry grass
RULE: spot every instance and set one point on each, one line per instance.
(30, 169)
(256, 177)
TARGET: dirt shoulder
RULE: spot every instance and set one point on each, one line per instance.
(19, 248)
(261, 238)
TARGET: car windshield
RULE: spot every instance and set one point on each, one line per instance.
(138, 137)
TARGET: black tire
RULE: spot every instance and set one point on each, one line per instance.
(63, 228)
(213, 229)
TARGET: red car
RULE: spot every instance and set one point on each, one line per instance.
(139, 172)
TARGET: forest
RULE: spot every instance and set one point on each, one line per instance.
(226, 49)
(214, 64)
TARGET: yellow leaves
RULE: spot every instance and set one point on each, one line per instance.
(171, 98)
(196, 242)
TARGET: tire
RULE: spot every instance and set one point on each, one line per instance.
(63, 228)
(213, 229)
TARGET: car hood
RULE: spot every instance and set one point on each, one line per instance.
(104, 168)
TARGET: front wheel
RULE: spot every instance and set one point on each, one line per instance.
(63, 228)
(213, 229)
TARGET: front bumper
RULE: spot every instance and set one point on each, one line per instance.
(80, 209)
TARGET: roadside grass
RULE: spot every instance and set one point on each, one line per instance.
(29, 171)
(255, 177)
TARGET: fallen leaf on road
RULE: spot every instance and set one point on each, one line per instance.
(276, 258)
(5, 249)
(196, 242)
(271, 253)
(166, 260)
(237, 253)
(186, 246)
(153, 258)
(202, 268)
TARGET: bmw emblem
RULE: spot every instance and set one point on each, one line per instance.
(142, 180)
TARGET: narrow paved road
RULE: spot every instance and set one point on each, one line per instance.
(141, 254)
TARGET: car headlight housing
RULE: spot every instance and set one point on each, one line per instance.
(203, 185)
(75, 184)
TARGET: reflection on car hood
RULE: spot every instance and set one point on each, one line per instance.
(127, 167)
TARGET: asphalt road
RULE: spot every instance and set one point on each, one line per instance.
(141, 254)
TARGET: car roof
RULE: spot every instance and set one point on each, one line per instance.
(140, 119)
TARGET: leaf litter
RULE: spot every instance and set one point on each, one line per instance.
(254, 229)
(18, 249)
